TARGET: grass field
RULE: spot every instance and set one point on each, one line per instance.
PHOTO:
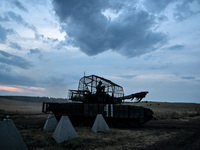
(171, 110)
(175, 126)
(20, 107)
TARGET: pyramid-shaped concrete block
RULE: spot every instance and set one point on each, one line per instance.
(64, 130)
(100, 124)
(50, 123)
(10, 138)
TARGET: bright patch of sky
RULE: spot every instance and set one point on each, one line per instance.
(111, 14)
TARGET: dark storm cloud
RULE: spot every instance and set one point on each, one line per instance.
(10, 59)
(130, 34)
(20, 6)
(15, 45)
(3, 35)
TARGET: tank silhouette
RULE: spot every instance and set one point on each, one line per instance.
(97, 95)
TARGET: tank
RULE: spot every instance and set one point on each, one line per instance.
(97, 95)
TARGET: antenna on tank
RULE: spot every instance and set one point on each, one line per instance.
(84, 80)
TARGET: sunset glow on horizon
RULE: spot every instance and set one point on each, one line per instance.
(21, 89)
(11, 89)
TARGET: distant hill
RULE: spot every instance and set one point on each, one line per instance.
(34, 99)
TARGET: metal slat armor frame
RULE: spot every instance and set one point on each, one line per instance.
(90, 83)
(95, 89)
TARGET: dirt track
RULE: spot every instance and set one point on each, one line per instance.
(187, 133)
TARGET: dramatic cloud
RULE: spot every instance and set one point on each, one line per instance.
(15, 45)
(184, 10)
(34, 51)
(3, 34)
(4, 19)
(188, 77)
(157, 6)
(10, 59)
(15, 17)
(130, 33)
(7, 78)
(20, 6)
(12, 16)
(176, 47)
(128, 76)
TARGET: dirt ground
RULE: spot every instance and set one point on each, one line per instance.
(170, 129)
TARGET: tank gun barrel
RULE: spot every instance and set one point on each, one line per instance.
(139, 96)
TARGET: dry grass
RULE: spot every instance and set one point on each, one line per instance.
(20, 107)
(182, 133)
(171, 110)
(115, 139)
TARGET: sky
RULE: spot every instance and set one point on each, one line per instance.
(46, 46)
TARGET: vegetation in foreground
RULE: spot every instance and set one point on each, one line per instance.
(175, 126)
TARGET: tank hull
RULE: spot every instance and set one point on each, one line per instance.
(116, 115)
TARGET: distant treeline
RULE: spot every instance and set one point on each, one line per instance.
(33, 99)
